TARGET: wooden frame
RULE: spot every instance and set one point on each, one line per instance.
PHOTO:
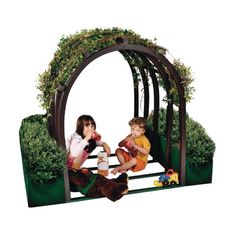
(153, 63)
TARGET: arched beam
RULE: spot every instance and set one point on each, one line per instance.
(144, 77)
(59, 105)
(182, 113)
(169, 114)
(62, 94)
(135, 81)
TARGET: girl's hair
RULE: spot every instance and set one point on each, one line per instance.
(140, 121)
(82, 121)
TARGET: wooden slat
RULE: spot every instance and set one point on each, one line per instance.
(132, 191)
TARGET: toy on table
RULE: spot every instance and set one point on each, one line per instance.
(169, 179)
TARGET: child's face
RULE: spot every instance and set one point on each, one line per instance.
(136, 131)
(88, 127)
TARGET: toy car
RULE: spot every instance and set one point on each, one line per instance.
(169, 179)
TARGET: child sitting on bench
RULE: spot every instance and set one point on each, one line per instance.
(138, 145)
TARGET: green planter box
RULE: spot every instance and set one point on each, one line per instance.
(42, 161)
(198, 174)
(41, 194)
(194, 174)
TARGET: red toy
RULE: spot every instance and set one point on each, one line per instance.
(129, 147)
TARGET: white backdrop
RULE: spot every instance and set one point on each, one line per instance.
(200, 33)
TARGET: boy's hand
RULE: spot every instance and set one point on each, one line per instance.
(131, 142)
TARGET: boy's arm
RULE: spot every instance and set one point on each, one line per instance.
(141, 149)
(145, 149)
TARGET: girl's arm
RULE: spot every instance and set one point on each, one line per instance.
(77, 147)
(78, 144)
(105, 146)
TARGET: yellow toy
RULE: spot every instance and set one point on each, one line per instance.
(169, 179)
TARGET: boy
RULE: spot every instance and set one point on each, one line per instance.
(135, 160)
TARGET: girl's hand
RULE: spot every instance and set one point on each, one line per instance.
(88, 135)
(107, 149)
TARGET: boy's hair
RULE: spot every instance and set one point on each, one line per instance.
(140, 121)
(83, 121)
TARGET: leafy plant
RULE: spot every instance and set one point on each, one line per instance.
(73, 49)
(43, 159)
(187, 77)
(200, 147)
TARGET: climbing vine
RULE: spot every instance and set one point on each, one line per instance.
(73, 49)
(187, 78)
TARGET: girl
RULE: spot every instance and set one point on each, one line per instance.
(81, 143)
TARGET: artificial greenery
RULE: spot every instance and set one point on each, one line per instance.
(184, 72)
(43, 159)
(73, 49)
(200, 147)
(187, 78)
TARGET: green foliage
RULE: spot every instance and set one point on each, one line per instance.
(187, 80)
(72, 51)
(200, 147)
(43, 159)
(187, 77)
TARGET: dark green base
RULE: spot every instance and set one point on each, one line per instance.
(41, 194)
(198, 174)
(54, 193)
(194, 174)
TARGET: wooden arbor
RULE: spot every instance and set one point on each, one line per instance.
(141, 59)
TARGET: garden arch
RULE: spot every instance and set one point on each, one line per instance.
(148, 63)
